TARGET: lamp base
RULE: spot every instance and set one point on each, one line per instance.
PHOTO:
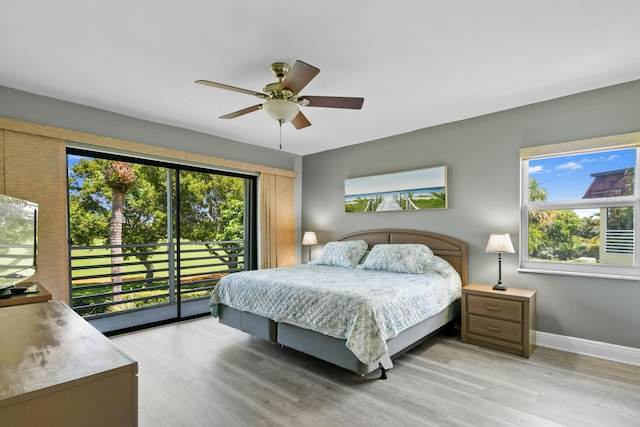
(499, 287)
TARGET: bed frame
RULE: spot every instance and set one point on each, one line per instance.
(333, 350)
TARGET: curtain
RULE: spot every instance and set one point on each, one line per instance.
(277, 226)
(35, 170)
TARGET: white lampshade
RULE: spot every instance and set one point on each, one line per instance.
(309, 238)
(500, 243)
(280, 110)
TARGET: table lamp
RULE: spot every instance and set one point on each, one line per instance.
(500, 243)
(309, 239)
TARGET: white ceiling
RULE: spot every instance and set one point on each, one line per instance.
(416, 63)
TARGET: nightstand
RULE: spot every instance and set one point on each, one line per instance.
(502, 320)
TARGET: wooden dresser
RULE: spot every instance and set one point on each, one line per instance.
(502, 320)
(58, 370)
(42, 295)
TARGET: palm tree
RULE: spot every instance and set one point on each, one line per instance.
(120, 178)
(536, 194)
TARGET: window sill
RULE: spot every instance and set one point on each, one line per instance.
(579, 274)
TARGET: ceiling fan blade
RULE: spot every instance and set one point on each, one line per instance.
(299, 76)
(233, 88)
(242, 112)
(334, 102)
(300, 121)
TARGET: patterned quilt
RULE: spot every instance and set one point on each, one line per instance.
(364, 307)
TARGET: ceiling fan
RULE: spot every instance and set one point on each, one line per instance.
(283, 99)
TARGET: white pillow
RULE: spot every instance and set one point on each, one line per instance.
(399, 258)
(342, 254)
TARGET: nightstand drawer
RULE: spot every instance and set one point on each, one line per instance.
(493, 307)
(499, 329)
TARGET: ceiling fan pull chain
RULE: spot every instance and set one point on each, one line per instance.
(280, 123)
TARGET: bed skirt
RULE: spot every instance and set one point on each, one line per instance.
(329, 349)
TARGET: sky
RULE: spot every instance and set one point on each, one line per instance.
(72, 159)
(569, 177)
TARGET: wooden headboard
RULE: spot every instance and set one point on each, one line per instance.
(448, 248)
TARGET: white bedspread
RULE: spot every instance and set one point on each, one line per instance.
(364, 307)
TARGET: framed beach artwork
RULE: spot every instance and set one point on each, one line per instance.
(414, 190)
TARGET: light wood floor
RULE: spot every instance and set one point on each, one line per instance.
(201, 373)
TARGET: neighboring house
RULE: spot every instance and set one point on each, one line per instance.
(616, 239)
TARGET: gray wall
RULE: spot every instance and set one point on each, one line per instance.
(483, 181)
(28, 107)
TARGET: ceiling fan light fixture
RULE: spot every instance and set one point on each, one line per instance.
(282, 99)
(280, 110)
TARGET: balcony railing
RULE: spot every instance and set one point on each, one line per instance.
(150, 274)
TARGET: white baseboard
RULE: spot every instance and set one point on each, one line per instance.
(602, 350)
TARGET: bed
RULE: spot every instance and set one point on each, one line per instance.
(332, 340)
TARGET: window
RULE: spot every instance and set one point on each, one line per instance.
(580, 208)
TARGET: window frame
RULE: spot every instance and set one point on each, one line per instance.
(630, 140)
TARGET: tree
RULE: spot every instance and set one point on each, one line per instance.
(536, 245)
(627, 181)
(564, 235)
(538, 221)
(89, 201)
(146, 215)
(590, 234)
(537, 194)
(120, 178)
(620, 218)
(212, 209)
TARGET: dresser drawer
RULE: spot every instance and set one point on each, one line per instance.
(499, 329)
(493, 307)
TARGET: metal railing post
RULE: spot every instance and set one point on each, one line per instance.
(170, 243)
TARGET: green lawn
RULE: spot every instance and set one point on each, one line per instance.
(134, 266)
(192, 269)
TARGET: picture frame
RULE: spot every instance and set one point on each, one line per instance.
(414, 190)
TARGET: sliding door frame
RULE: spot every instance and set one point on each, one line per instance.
(250, 237)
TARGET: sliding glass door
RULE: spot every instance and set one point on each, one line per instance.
(214, 215)
(149, 240)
